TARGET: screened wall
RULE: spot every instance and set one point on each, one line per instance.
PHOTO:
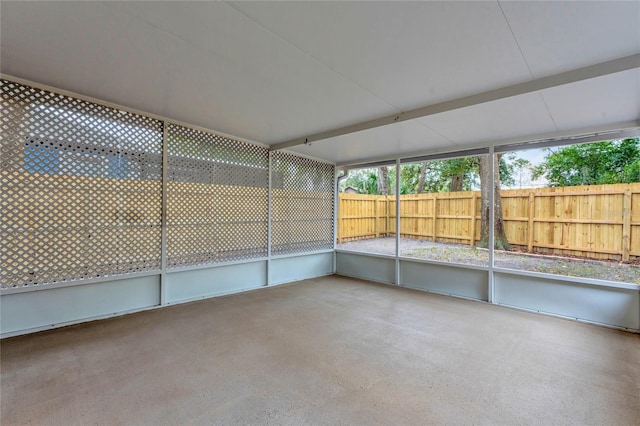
(112, 211)
(92, 193)
(460, 238)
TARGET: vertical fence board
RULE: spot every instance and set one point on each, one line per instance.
(598, 221)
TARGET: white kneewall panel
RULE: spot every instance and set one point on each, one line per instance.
(183, 286)
(366, 266)
(289, 269)
(454, 281)
(608, 305)
(55, 307)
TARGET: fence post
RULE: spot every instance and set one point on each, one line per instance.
(473, 219)
(435, 214)
(387, 206)
(626, 225)
(532, 204)
(376, 209)
(341, 211)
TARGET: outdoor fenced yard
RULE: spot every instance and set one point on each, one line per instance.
(596, 222)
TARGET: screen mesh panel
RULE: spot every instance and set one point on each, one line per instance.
(302, 204)
(217, 198)
(80, 189)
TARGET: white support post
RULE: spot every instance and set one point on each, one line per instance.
(398, 221)
(269, 222)
(335, 217)
(163, 249)
(492, 219)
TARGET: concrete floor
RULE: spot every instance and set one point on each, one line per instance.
(325, 351)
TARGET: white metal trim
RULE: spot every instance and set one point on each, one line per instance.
(446, 156)
(365, 164)
(443, 263)
(492, 224)
(336, 202)
(269, 220)
(398, 219)
(215, 265)
(308, 157)
(571, 280)
(163, 221)
(361, 253)
(306, 253)
(575, 140)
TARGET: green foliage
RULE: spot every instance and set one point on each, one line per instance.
(365, 181)
(592, 164)
(589, 164)
(439, 176)
(521, 167)
(509, 164)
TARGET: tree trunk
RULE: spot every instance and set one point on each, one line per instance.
(456, 183)
(486, 185)
(383, 180)
(423, 177)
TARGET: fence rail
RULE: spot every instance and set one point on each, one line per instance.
(597, 221)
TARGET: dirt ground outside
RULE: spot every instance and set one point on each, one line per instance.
(457, 253)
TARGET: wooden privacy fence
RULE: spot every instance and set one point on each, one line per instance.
(597, 221)
(83, 222)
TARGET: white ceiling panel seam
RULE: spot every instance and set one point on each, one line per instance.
(317, 60)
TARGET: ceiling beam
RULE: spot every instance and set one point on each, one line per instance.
(598, 70)
(557, 138)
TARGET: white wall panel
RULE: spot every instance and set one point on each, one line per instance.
(208, 282)
(289, 269)
(456, 281)
(54, 307)
(618, 307)
(373, 268)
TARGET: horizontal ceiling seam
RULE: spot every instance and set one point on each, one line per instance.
(315, 59)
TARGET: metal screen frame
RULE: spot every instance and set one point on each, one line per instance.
(302, 204)
(217, 198)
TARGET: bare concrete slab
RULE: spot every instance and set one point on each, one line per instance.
(326, 351)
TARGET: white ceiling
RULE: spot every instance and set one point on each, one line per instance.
(274, 71)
